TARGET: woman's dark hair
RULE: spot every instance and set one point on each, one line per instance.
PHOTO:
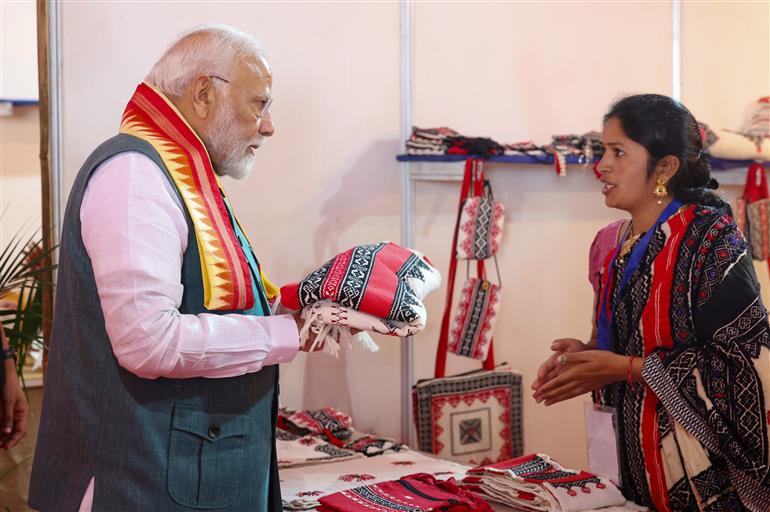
(665, 127)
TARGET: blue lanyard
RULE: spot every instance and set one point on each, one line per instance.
(605, 321)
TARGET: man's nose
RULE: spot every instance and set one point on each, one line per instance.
(266, 127)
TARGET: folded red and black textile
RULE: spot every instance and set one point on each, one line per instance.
(419, 492)
(327, 421)
(476, 146)
(336, 428)
(537, 483)
(430, 141)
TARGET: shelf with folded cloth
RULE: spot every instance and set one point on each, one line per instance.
(727, 172)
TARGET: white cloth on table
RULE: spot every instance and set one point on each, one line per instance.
(301, 487)
(293, 450)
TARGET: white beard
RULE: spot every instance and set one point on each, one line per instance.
(230, 155)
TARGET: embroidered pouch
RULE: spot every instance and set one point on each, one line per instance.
(474, 320)
(757, 215)
(481, 226)
(752, 212)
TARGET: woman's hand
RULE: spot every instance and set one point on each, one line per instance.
(15, 410)
(551, 367)
(580, 373)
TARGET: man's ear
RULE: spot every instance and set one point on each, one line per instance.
(667, 167)
(202, 96)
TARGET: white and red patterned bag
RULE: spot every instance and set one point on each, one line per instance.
(474, 323)
(473, 418)
(481, 226)
(753, 212)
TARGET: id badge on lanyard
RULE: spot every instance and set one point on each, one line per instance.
(603, 442)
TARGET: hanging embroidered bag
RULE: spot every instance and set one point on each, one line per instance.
(753, 212)
(481, 225)
(473, 418)
(474, 320)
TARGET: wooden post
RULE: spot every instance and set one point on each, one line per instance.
(45, 167)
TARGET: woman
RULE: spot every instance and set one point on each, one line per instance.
(681, 344)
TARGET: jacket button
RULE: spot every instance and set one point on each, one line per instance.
(214, 431)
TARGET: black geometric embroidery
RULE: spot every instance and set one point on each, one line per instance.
(536, 465)
(681, 497)
(404, 302)
(310, 288)
(282, 435)
(479, 299)
(332, 451)
(414, 267)
(368, 496)
(728, 502)
(711, 482)
(549, 475)
(481, 238)
(357, 277)
(470, 431)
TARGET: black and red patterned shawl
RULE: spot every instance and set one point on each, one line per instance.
(697, 435)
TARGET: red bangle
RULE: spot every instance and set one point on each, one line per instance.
(628, 371)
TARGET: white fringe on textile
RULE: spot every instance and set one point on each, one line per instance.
(331, 336)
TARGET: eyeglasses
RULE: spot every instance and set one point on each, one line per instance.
(262, 105)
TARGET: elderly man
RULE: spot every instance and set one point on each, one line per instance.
(162, 386)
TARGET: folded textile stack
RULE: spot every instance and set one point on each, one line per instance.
(430, 141)
(327, 421)
(537, 483)
(329, 424)
(302, 487)
(440, 141)
(586, 148)
(525, 148)
(476, 146)
(296, 450)
(418, 492)
(376, 287)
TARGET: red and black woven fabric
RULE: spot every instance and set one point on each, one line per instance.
(420, 492)
(384, 280)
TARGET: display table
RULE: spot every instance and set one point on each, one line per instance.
(302, 486)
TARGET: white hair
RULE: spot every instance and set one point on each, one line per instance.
(210, 49)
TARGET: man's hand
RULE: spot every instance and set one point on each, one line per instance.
(580, 373)
(551, 367)
(14, 414)
(297, 315)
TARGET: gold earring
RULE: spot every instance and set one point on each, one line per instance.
(660, 190)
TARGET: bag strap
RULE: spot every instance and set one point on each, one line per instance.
(472, 185)
(756, 184)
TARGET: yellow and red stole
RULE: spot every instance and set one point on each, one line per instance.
(227, 281)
